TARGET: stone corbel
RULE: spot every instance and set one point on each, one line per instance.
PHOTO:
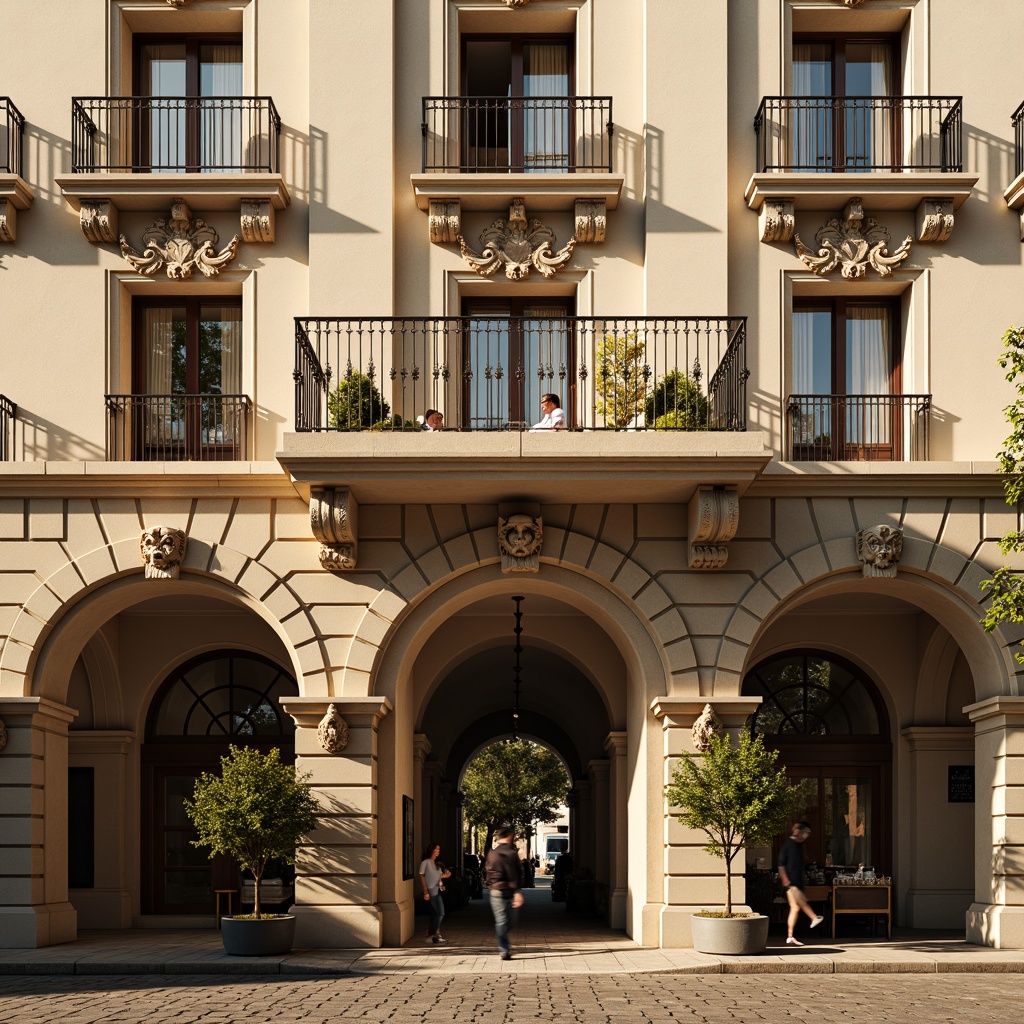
(98, 218)
(776, 221)
(257, 220)
(934, 220)
(591, 220)
(713, 517)
(8, 221)
(444, 220)
(333, 517)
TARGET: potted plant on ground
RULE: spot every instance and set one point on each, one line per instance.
(257, 809)
(735, 795)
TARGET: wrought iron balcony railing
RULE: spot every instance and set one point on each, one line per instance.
(177, 428)
(1018, 134)
(490, 372)
(175, 133)
(12, 134)
(8, 411)
(857, 428)
(859, 133)
(517, 134)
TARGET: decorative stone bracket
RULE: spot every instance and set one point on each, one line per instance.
(520, 538)
(879, 548)
(713, 517)
(333, 516)
(98, 219)
(163, 551)
(842, 243)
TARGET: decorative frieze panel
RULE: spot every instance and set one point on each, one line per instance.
(333, 517)
(518, 246)
(842, 243)
(445, 221)
(332, 732)
(163, 551)
(98, 218)
(520, 538)
(257, 220)
(934, 220)
(713, 517)
(708, 724)
(879, 548)
(776, 221)
(180, 244)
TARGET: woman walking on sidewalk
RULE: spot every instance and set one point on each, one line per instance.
(432, 876)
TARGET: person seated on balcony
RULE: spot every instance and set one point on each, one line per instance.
(554, 414)
(433, 420)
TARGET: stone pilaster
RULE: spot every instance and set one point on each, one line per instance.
(34, 907)
(618, 878)
(581, 825)
(336, 867)
(599, 773)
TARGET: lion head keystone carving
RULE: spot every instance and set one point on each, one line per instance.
(163, 551)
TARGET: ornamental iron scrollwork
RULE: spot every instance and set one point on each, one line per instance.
(842, 243)
(332, 732)
(519, 246)
(163, 551)
(181, 244)
(879, 548)
(520, 538)
(708, 724)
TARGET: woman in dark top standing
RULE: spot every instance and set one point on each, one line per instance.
(791, 875)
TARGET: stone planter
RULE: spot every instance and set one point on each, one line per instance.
(267, 937)
(729, 936)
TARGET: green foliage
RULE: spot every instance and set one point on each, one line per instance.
(356, 404)
(677, 403)
(257, 809)
(394, 423)
(623, 379)
(514, 783)
(1006, 587)
(734, 795)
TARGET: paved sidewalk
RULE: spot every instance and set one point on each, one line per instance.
(547, 941)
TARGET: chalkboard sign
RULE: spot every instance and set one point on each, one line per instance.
(961, 784)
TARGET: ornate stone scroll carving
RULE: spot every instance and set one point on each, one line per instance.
(713, 516)
(98, 218)
(591, 220)
(515, 3)
(708, 724)
(178, 3)
(333, 517)
(8, 221)
(163, 551)
(180, 244)
(879, 548)
(852, 3)
(934, 220)
(332, 732)
(776, 221)
(3, 736)
(517, 246)
(842, 243)
(445, 220)
(258, 220)
(520, 538)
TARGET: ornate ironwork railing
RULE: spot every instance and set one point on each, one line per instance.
(859, 133)
(178, 428)
(12, 135)
(8, 411)
(517, 134)
(857, 428)
(175, 133)
(490, 372)
(1018, 134)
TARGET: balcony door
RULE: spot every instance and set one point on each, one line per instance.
(189, 117)
(514, 352)
(845, 117)
(188, 378)
(845, 373)
(517, 115)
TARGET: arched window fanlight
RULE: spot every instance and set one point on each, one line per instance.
(223, 695)
(814, 694)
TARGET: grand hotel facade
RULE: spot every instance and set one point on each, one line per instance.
(762, 250)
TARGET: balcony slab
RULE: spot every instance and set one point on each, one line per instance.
(879, 190)
(555, 191)
(15, 194)
(481, 467)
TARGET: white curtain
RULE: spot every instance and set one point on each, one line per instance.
(868, 362)
(805, 373)
(164, 76)
(546, 129)
(869, 125)
(226, 127)
(811, 121)
(224, 417)
(161, 423)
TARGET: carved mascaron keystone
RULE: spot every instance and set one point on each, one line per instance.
(842, 243)
(713, 517)
(163, 551)
(332, 732)
(333, 516)
(706, 726)
(518, 246)
(879, 548)
(181, 244)
(520, 538)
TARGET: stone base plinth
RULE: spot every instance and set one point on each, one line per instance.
(998, 927)
(33, 927)
(352, 927)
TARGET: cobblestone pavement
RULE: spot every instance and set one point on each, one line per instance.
(587, 999)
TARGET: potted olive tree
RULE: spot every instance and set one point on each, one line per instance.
(256, 810)
(735, 795)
